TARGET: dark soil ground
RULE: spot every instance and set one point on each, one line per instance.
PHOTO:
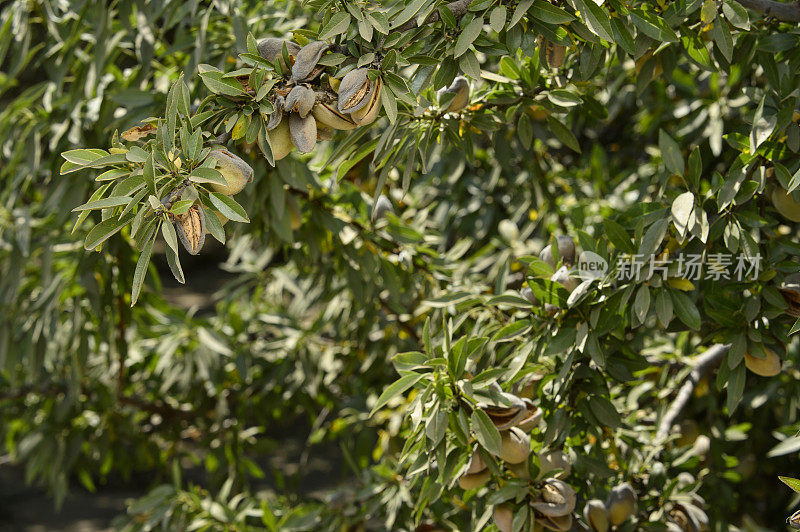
(29, 509)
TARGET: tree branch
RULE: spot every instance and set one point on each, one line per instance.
(704, 363)
(411, 331)
(24, 391)
(158, 407)
(459, 9)
(786, 11)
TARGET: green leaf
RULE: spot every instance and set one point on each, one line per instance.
(604, 411)
(214, 81)
(525, 130)
(794, 182)
(137, 155)
(181, 206)
(736, 15)
(792, 483)
(696, 48)
(671, 152)
(106, 160)
(547, 291)
(512, 330)
(737, 350)
(686, 310)
(436, 427)
(787, 446)
(653, 26)
(173, 260)
(479, 5)
(446, 15)
(623, 36)
(113, 174)
(563, 133)
(97, 194)
(736, 382)
(547, 12)
(112, 201)
(207, 175)
(451, 298)
(149, 173)
(468, 36)
(485, 431)
(184, 105)
(595, 18)
(682, 209)
(564, 98)
(172, 117)
(762, 126)
(618, 236)
(214, 225)
(141, 270)
(469, 65)
(252, 44)
(519, 12)
(641, 304)
(389, 104)
(396, 388)
(664, 308)
(365, 30)
(653, 237)
(723, 38)
(105, 230)
(337, 25)
(497, 18)
(379, 21)
(83, 156)
(708, 12)
(228, 207)
(363, 150)
(170, 236)
(408, 12)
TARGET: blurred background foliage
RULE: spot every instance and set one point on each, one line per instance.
(292, 338)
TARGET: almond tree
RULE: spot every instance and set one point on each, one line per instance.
(530, 265)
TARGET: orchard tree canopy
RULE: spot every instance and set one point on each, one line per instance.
(522, 264)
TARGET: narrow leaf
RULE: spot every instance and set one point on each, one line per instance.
(396, 388)
(141, 270)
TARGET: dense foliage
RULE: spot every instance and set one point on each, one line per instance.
(399, 169)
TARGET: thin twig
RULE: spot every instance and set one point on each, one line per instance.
(704, 363)
(158, 407)
(24, 391)
(786, 11)
(402, 324)
(122, 345)
(459, 9)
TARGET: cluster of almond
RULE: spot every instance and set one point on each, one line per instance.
(553, 501)
(514, 418)
(191, 225)
(308, 108)
(553, 505)
(768, 363)
(621, 504)
(685, 516)
(566, 254)
(305, 109)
